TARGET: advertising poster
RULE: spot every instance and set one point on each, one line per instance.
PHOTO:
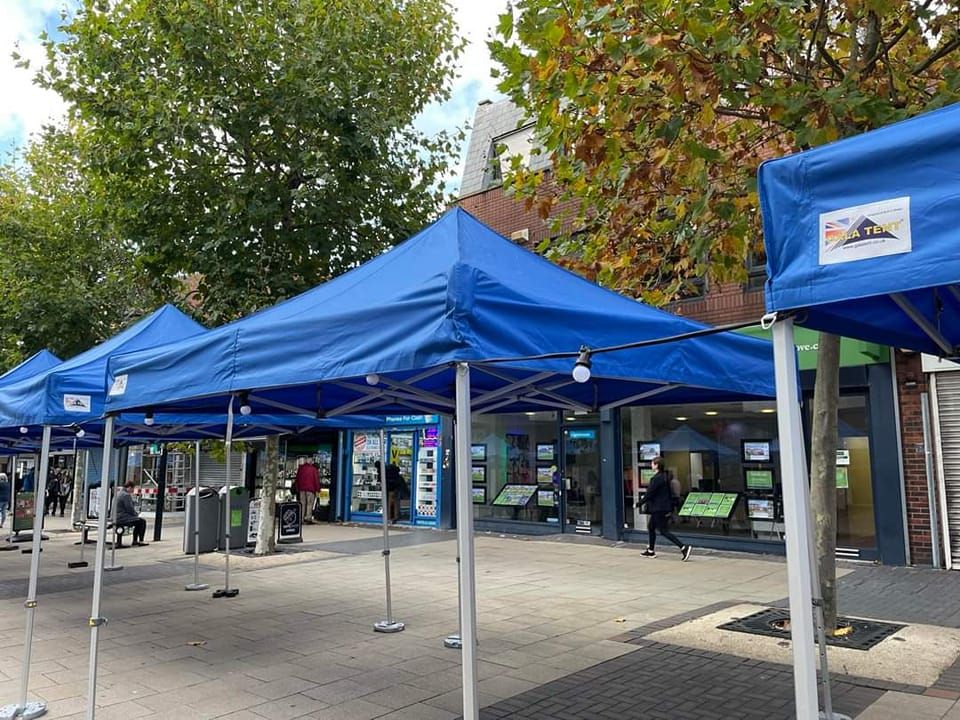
(515, 495)
(253, 522)
(545, 452)
(478, 474)
(546, 498)
(760, 509)
(759, 479)
(647, 451)
(843, 478)
(756, 450)
(545, 475)
(518, 458)
(478, 452)
(843, 457)
(480, 495)
(23, 511)
(646, 475)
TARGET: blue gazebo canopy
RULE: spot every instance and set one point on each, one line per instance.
(455, 292)
(863, 235)
(73, 391)
(36, 363)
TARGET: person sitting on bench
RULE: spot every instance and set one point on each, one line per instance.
(127, 516)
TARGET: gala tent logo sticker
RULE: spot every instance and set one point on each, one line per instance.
(865, 231)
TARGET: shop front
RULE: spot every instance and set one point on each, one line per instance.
(725, 457)
(537, 472)
(415, 446)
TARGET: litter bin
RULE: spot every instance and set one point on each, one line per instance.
(239, 518)
(209, 515)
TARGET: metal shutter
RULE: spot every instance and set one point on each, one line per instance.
(214, 473)
(948, 402)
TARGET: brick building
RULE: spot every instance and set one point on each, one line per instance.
(884, 510)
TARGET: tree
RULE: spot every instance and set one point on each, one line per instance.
(259, 146)
(266, 540)
(67, 281)
(657, 113)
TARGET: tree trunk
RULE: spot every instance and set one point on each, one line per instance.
(266, 537)
(79, 486)
(823, 472)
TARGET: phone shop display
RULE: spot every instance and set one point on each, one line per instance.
(418, 454)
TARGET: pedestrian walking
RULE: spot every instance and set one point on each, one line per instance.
(4, 498)
(661, 503)
(53, 493)
(66, 491)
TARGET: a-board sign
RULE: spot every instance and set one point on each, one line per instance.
(290, 525)
(253, 520)
(709, 505)
(515, 495)
(23, 509)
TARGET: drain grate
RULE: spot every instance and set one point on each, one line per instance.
(866, 633)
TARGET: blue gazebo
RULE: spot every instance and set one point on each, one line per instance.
(862, 238)
(457, 320)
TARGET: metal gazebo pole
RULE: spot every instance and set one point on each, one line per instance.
(453, 641)
(388, 624)
(25, 709)
(796, 515)
(95, 621)
(196, 584)
(227, 591)
(468, 594)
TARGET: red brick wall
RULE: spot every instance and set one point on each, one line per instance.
(723, 303)
(911, 383)
(507, 215)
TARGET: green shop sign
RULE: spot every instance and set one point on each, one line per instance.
(852, 352)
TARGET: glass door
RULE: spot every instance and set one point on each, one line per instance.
(400, 446)
(582, 506)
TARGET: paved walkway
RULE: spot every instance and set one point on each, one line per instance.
(297, 641)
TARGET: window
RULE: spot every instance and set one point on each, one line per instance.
(756, 269)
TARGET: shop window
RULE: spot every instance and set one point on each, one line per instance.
(515, 467)
(722, 449)
(725, 458)
(856, 524)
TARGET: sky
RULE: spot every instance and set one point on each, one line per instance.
(27, 107)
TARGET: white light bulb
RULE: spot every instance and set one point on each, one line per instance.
(81, 432)
(581, 373)
(245, 409)
(148, 420)
(373, 379)
(23, 430)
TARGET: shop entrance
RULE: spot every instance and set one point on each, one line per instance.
(581, 506)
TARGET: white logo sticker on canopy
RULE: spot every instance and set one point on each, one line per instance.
(866, 231)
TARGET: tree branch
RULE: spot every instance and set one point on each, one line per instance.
(943, 51)
(741, 113)
(885, 48)
(834, 65)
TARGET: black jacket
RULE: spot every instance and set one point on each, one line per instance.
(659, 498)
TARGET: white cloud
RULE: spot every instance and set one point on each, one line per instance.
(476, 19)
(26, 107)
